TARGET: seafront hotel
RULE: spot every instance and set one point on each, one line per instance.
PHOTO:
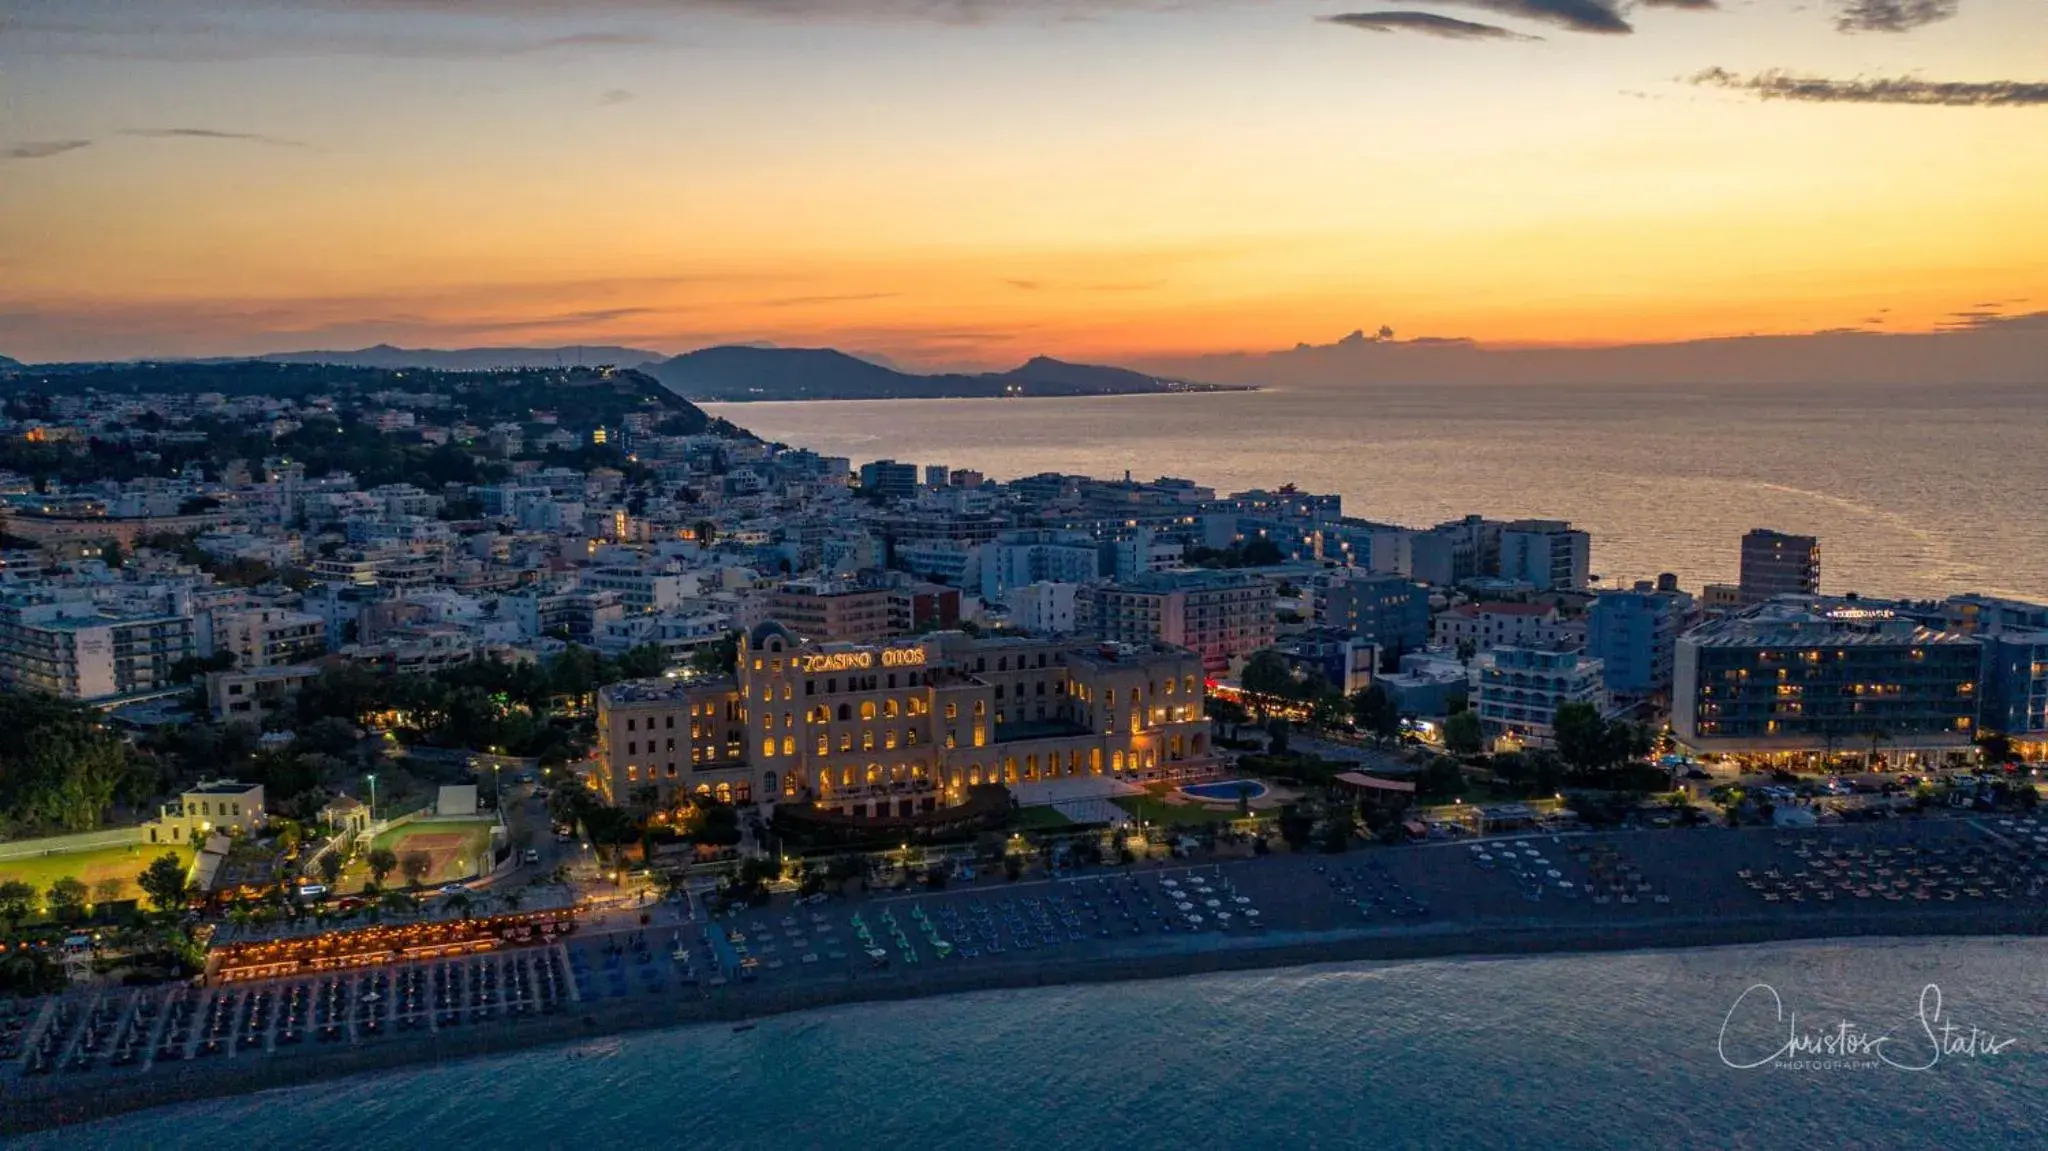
(1800, 679)
(881, 730)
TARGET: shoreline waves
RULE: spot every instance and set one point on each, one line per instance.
(59, 1102)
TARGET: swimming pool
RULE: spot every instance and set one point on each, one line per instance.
(1228, 791)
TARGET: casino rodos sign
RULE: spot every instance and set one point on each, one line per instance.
(863, 660)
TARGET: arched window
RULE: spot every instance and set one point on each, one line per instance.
(846, 776)
(867, 741)
(1116, 762)
(889, 709)
(824, 744)
(768, 747)
(1094, 761)
(789, 745)
(845, 711)
(867, 709)
(874, 774)
(768, 783)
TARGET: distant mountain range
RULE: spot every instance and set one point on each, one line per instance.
(7, 364)
(467, 359)
(733, 374)
(1979, 349)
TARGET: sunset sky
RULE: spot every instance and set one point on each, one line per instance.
(970, 183)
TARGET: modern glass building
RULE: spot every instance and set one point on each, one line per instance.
(1804, 678)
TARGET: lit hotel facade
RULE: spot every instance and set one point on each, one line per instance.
(1800, 678)
(899, 728)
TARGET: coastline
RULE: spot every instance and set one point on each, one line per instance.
(57, 1101)
(1205, 390)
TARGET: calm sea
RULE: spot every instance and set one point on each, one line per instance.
(1552, 1052)
(1913, 492)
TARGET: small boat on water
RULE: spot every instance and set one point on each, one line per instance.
(600, 1049)
(739, 1027)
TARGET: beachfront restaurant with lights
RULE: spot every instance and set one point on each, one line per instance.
(242, 954)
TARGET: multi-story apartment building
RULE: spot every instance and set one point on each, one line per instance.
(1517, 692)
(1488, 625)
(1775, 564)
(1799, 678)
(832, 611)
(268, 637)
(1634, 635)
(254, 694)
(73, 650)
(1222, 616)
(892, 730)
(2016, 689)
(893, 480)
(1018, 558)
(1390, 611)
(640, 591)
(1549, 555)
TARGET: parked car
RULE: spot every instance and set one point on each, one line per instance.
(530, 856)
(454, 889)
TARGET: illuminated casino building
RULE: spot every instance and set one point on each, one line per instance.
(905, 727)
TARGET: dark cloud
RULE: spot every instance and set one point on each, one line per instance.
(1891, 15)
(616, 96)
(42, 149)
(1779, 85)
(1024, 285)
(212, 134)
(1601, 16)
(1428, 24)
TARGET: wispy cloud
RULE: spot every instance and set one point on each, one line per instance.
(807, 301)
(1599, 16)
(1892, 15)
(213, 134)
(616, 96)
(42, 149)
(1425, 23)
(1780, 85)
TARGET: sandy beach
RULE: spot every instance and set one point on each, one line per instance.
(1475, 911)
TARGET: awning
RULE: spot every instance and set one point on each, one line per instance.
(1359, 779)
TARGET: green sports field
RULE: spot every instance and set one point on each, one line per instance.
(90, 867)
(458, 848)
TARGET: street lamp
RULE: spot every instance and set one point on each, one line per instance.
(372, 777)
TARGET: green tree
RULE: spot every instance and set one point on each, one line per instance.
(17, 902)
(1463, 734)
(1581, 736)
(67, 899)
(1276, 736)
(1228, 714)
(717, 658)
(1266, 677)
(1376, 713)
(1443, 779)
(329, 867)
(106, 891)
(645, 661)
(382, 862)
(415, 865)
(1994, 747)
(163, 881)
